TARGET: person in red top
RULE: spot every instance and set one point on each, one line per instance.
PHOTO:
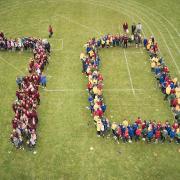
(137, 134)
(50, 30)
(157, 135)
(125, 40)
(125, 27)
(138, 121)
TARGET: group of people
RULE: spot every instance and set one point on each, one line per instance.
(151, 131)
(21, 44)
(169, 86)
(122, 40)
(24, 123)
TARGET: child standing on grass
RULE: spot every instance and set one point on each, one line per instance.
(43, 81)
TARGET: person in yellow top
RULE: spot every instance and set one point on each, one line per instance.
(125, 123)
(99, 92)
(107, 43)
(96, 119)
(178, 100)
(94, 81)
(148, 46)
(91, 53)
(96, 99)
(82, 56)
(153, 65)
(177, 109)
(102, 43)
(168, 92)
(175, 81)
(114, 127)
(96, 106)
(95, 90)
(98, 126)
(177, 89)
(111, 41)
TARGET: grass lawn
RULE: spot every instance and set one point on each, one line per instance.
(64, 136)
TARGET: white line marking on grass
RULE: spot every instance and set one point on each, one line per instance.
(64, 90)
(14, 67)
(130, 51)
(80, 90)
(129, 73)
(172, 57)
(111, 90)
(58, 41)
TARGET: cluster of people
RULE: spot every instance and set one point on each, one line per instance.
(90, 63)
(169, 86)
(20, 44)
(25, 120)
(121, 40)
(151, 131)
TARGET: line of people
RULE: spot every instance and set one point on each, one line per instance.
(151, 131)
(20, 44)
(169, 86)
(120, 40)
(24, 123)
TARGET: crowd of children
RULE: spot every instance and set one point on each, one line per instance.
(151, 131)
(21, 43)
(25, 106)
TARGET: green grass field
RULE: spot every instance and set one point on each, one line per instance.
(64, 136)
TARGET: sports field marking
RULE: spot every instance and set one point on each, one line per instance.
(11, 65)
(58, 41)
(129, 73)
(81, 90)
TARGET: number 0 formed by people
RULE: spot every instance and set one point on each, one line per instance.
(149, 131)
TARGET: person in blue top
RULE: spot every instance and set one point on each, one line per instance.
(172, 135)
(88, 49)
(43, 81)
(149, 135)
(134, 126)
(131, 132)
(145, 42)
(103, 107)
(19, 81)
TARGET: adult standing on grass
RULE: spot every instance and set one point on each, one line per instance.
(50, 30)
(125, 27)
(139, 28)
(133, 28)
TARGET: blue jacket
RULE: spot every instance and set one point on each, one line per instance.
(172, 134)
(150, 134)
